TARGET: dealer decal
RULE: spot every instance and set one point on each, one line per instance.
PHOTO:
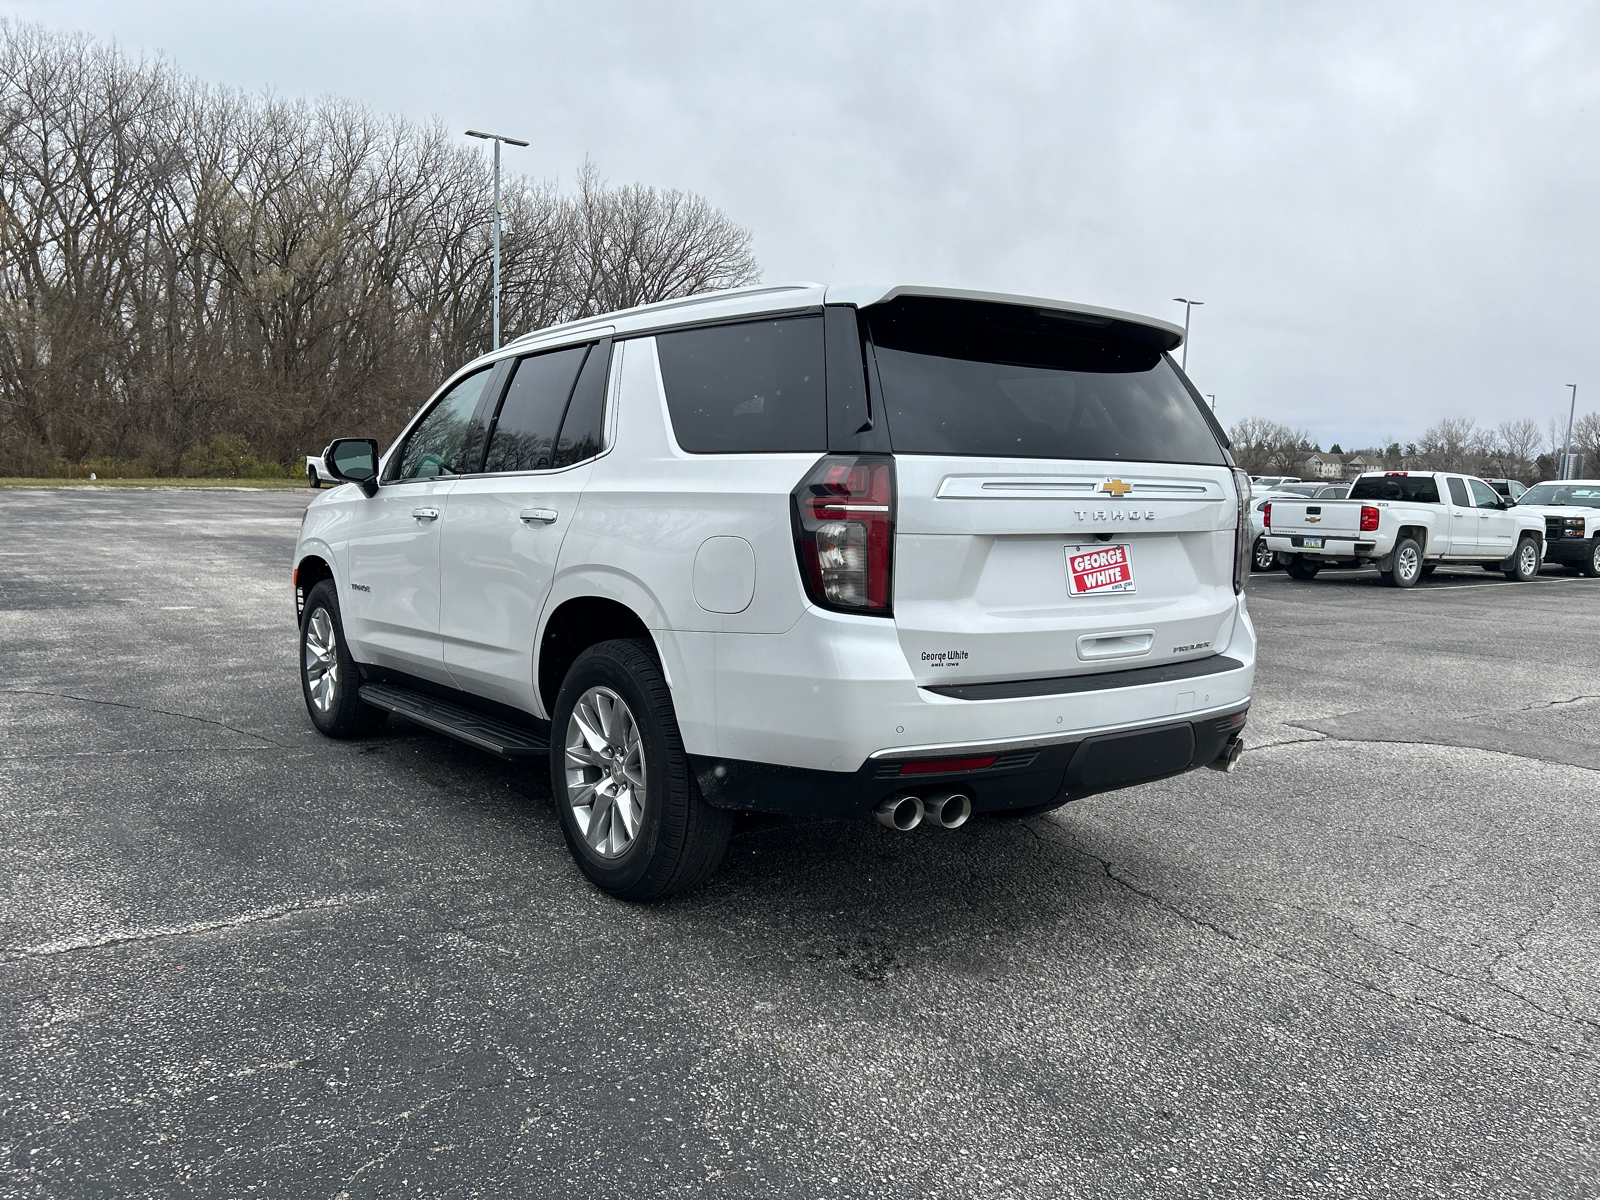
(1099, 569)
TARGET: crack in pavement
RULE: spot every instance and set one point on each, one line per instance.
(1348, 728)
(72, 945)
(140, 708)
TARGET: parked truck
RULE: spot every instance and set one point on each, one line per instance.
(1407, 523)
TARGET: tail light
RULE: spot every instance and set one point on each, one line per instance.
(1266, 514)
(844, 534)
(1241, 532)
(1369, 518)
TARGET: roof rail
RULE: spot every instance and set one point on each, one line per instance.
(663, 305)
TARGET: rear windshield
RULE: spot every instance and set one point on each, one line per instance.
(1418, 489)
(1005, 381)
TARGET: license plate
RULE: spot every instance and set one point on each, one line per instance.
(1311, 543)
(1099, 569)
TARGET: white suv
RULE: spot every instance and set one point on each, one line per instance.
(898, 552)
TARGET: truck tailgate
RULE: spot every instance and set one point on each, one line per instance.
(1333, 518)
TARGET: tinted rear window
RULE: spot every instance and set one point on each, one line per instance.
(755, 387)
(530, 415)
(1004, 381)
(1418, 489)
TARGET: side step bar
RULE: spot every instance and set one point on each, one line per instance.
(453, 720)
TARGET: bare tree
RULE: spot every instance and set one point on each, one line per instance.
(180, 263)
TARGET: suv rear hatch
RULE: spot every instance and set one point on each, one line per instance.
(1064, 502)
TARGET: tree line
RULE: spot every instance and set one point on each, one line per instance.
(193, 279)
(1521, 449)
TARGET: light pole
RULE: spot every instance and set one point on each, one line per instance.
(1566, 449)
(1187, 305)
(1212, 396)
(496, 138)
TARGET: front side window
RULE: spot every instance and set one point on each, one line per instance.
(1005, 381)
(436, 444)
(1484, 495)
(751, 388)
(524, 433)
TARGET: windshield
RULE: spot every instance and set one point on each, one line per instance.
(1004, 381)
(1417, 489)
(1581, 495)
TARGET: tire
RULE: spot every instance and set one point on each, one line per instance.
(613, 737)
(1300, 568)
(1262, 559)
(1406, 564)
(313, 478)
(1591, 565)
(1525, 563)
(329, 677)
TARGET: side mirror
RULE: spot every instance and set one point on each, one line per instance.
(354, 460)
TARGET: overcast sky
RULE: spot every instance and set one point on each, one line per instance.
(1389, 209)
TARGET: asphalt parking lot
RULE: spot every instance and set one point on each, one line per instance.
(239, 959)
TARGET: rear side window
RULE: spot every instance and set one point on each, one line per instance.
(1416, 489)
(1006, 381)
(583, 430)
(751, 388)
(1458, 492)
(524, 433)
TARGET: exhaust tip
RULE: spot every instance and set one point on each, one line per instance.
(1229, 758)
(949, 810)
(899, 812)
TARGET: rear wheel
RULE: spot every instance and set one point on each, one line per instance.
(1591, 564)
(1405, 564)
(329, 677)
(1525, 562)
(1302, 568)
(313, 478)
(1262, 558)
(629, 807)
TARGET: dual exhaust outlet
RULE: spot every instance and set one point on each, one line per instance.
(903, 812)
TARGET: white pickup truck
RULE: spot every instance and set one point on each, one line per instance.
(1407, 523)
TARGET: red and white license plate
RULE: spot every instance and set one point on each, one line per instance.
(1098, 569)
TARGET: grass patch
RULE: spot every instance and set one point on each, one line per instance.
(279, 484)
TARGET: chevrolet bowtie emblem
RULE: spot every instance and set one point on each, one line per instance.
(1313, 520)
(1115, 487)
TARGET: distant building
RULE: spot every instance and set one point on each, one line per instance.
(1320, 464)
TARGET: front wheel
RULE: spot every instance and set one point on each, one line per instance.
(1525, 562)
(1405, 564)
(1302, 568)
(1262, 558)
(312, 478)
(328, 675)
(1591, 564)
(630, 810)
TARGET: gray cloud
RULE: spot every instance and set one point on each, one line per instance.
(1388, 209)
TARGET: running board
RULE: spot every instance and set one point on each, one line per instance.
(453, 720)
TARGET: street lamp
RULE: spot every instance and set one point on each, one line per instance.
(1187, 305)
(496, 138)
(1566, 449)
(1212, 396)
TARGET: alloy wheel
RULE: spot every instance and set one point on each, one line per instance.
(1264, 557)
(1528, 560)
(605, 770)
(322, 660)
(1409, 563)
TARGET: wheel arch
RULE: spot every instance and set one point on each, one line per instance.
(571, 628)
(1417, 533)
(311, 570)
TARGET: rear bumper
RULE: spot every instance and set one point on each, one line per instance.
(1023, 774)
(836, 691)
(1332, 547)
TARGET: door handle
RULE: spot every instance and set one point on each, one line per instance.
(538, 516)
(425, 514)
